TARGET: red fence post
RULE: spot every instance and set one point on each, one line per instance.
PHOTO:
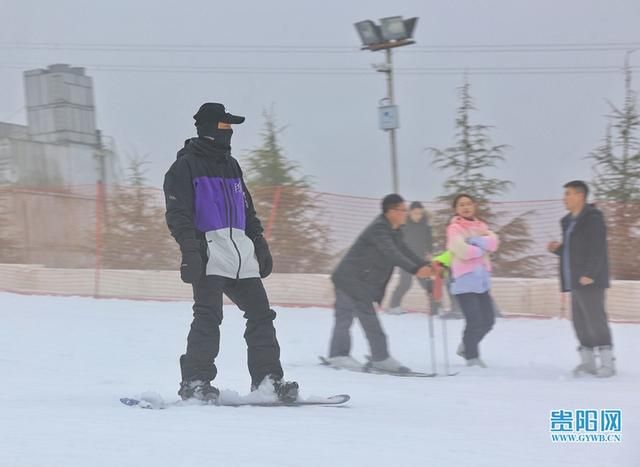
(98, 239)
(272, 215)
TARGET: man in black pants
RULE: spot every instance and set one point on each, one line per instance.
(361, 279)
(418, 236)
(210, 213)
(584, 271)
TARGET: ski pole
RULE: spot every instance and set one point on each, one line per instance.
(445, 345)
(432, 341)
(436, 297)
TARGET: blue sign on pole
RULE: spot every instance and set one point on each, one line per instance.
(388, 115)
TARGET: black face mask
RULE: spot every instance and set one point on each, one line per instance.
(222, 138)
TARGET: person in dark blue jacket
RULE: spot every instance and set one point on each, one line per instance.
(584, 271)
(210, 214)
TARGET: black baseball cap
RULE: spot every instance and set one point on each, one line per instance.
(214, 112)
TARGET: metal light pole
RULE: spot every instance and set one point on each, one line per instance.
(391, 33)
(392, 131)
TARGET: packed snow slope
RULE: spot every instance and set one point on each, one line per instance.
(65, 362)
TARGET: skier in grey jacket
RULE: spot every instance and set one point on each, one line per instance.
(418, 236)
(361, 279)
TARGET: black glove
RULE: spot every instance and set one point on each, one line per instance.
(263, 255)
(191, 267)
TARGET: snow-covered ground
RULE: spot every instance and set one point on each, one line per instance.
(65, 362)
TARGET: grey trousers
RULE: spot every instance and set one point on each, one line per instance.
(589, 317)
(346, 310)
(404, 284)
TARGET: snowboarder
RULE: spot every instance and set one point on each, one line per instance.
(361, 279)
(584, 271)
(470, 242)
(418, 236)
(211, 215)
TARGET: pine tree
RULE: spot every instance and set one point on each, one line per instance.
(135, 234)
(616, 182)
(468, 160)
(466, 164)
(286, 205)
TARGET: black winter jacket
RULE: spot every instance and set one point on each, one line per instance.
(207, 201)
(587, 249)
(365, 270)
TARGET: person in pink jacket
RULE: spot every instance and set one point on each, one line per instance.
(471, 242)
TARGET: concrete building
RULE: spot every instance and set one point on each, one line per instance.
(60, 145)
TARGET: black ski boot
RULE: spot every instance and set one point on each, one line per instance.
(287, 391)
(199, 390)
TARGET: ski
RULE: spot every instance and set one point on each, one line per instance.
(327, 363)
(368, 368)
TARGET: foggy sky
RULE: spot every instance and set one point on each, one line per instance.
(551, 121)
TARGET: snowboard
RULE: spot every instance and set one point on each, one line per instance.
(156, 402)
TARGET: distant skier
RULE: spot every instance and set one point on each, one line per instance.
(210, 213)
(361, 279)
(470, 242)
(584, 271)
(418, 236)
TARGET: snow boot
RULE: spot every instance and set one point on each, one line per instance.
(389, 364)
(587, 362)
(347, 362)
(476, 362)
(607, 366)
